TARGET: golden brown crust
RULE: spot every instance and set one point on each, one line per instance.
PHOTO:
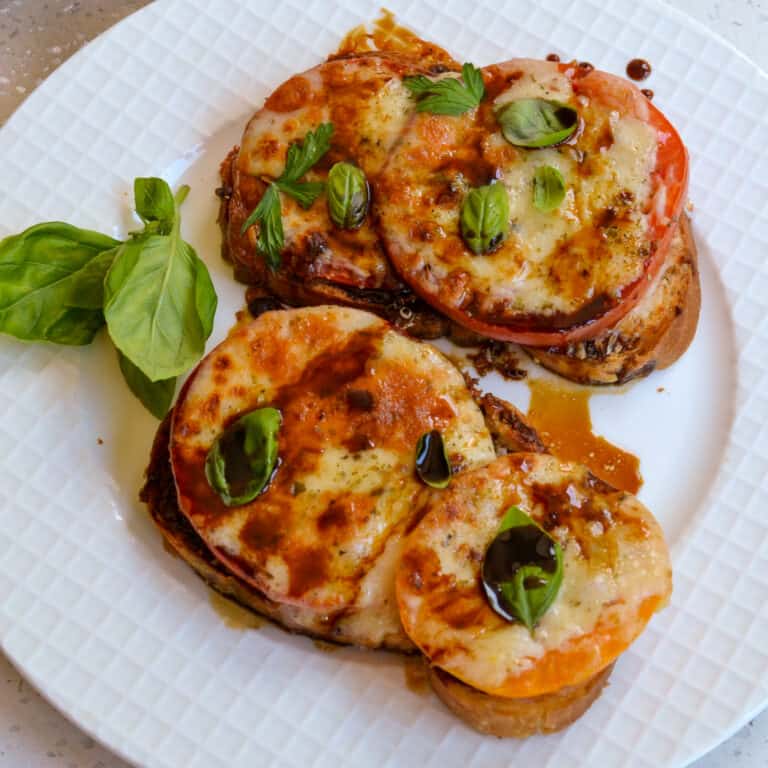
(654, 335)
(510, 431)
(517, 718)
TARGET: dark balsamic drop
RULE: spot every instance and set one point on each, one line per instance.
(509, 552)
(638, 69)
(553, 57)
(432, 464)
(647, 92)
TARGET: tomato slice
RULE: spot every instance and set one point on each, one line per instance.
(590, 317)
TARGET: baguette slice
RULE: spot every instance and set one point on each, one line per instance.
(497, 675)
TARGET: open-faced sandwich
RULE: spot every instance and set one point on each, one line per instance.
(339, 477)
(534, 202)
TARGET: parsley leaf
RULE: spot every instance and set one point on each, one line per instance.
(450, 96)
(267, 213)
(303, 192)
(299, 160)
(301, 157)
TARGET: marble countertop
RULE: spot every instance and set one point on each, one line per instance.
(36, 36)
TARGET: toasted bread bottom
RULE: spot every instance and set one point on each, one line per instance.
(517, 718)
(653, 335)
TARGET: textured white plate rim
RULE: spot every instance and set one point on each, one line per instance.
(59, 78)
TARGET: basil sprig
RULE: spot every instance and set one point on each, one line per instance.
(159, 300)
(52, 283)
(348, 196)
(548, 188)
(522, 569)
(536, 122)
(299, 160)
(449, 95)
(432, 464)
(60, 284)
(241, 461)
(484, 218)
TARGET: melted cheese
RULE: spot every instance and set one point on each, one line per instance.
(552, 265)
(345, 489)
(369, 106)
(615, 565)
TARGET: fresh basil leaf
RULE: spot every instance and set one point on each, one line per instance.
(484, 218)
(536, 122)
(154, 202)
(548, 188)
(522, 569)
(241, 461)
(348, 196)
(156, 396)
(304, 154)
(300, 158)
(51, 283)
(432, 464)
(450, 95)
(159, 302)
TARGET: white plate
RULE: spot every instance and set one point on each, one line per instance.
(122, 638)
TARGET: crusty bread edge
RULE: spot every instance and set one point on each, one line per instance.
(517, 718)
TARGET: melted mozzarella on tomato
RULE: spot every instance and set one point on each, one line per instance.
(616, 573)
(555, 269)
(355, 397)
(365, 99)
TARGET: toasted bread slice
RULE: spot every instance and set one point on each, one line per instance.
(364, 97)
(653, 335)
(616, 574)
(372, 626)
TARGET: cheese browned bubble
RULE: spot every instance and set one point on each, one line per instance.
(617, 573)
(555, 270)
(355, 396)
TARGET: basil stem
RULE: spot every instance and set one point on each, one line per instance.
(348, 195)
(522, 570)
(241, 461)
(536, 122)
(432, 464)
(484, 218)
(548, 188)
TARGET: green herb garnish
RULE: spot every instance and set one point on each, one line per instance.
(61, 284)
(241, 461)
(348, 196)
(52, 283)
(484, 219)
(522, 570)
(449, 95)
(299, 160)
(536, 122)
(432, 464)
(548, 188)
(159, 301)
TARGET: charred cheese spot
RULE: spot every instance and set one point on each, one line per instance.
(354, 396)
(616, 574)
